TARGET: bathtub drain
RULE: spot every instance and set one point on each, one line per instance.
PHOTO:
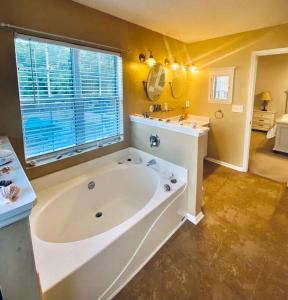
(98, 214)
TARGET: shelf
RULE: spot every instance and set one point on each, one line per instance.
(21, 208)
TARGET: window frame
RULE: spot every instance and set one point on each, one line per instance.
(213, 73)
(88, 146)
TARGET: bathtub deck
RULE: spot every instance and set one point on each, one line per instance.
(239, 251)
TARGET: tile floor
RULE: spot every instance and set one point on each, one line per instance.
(239, 251)
(263, 161)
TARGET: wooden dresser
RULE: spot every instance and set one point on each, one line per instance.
(263, 120)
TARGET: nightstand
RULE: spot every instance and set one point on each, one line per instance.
(263, 120)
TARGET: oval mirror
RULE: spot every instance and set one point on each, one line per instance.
(178, 84)
(155, 82)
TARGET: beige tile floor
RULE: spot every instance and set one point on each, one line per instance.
(239, 251)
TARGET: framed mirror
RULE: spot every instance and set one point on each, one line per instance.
(155, 82)
(221, 85)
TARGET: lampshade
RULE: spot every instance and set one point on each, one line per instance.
(266, 96)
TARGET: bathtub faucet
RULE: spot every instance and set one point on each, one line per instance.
(151, 162)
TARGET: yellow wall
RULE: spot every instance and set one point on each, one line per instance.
(67, 18)
(226, 139)
(272, 75)
(64, 17)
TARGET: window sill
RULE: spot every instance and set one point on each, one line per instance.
(69, 153)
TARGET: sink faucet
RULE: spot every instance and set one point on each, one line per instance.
(151, 162)
(181, 118)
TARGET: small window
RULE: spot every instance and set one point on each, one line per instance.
(221, 85)
(70, 97)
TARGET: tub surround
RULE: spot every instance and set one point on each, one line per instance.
(14, 211)
(180, 144)
(137, 229)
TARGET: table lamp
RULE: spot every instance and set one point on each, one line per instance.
(265, 97)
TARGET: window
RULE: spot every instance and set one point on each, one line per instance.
(70, 97)
(221, 85)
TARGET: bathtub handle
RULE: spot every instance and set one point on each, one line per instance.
(154, 141)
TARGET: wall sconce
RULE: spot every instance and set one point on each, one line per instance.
(183, 68)
(175, 65)
(150, 61)
(193, 68)
(166, 62)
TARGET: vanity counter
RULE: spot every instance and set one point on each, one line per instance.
(193, 125)
(14, 211)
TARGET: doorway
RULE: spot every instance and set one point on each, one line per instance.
(267, 108)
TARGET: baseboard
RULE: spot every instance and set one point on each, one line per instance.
(195, 219)
(224, 164)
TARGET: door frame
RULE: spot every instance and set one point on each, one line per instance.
(251, 94)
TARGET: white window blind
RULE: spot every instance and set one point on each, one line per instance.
(70, 97)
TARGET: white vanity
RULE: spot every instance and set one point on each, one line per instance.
(281, 141)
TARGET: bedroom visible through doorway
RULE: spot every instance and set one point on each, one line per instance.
(268, 154)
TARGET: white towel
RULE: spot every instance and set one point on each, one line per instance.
(272, 132)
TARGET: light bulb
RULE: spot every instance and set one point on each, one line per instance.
(150, 61)
(193, 68)
(174, 66)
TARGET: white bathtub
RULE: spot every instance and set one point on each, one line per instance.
(84, 257)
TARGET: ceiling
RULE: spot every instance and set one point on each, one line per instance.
(195, 20)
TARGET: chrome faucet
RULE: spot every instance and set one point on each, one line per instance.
(151, 162)
(181, 118)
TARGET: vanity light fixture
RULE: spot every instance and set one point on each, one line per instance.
(183, 68)
(175, 65)
(166, 62)
(193, 68)
(142, 58)
(150, 61)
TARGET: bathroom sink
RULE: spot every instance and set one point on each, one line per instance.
(192, 121)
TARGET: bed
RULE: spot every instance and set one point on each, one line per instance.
(281, 130)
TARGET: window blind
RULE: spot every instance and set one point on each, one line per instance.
(70, 97)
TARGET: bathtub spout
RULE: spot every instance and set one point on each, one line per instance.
(151, 162)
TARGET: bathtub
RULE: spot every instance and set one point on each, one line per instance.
(95, 225)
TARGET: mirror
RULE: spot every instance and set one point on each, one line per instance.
(221, 85)
(178, 84)
(155, 82)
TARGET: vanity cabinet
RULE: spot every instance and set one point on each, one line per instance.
(263, 120)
